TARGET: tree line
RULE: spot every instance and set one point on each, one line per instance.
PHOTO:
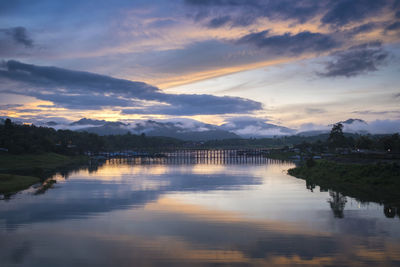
(339, 140)
(19, 139)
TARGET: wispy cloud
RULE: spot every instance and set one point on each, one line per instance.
(19, 35)
(356, 60)
(15, 41)
(290, 43)
(343, 12)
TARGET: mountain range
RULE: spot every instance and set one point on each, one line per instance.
(238, 127)
(188, 129)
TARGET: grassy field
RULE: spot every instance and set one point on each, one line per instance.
(281, 155)
(18, 172)
(30, 161)
(12, 183)
(378, 182)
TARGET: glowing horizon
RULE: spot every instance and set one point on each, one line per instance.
(211, 61)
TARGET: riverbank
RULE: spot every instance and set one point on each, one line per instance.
(14, 183)
(378, 182)
(19, 172)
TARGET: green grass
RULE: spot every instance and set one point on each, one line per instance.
(18, 172)
(30, 161)
(281, 155)
(379, 182)
(10, 183)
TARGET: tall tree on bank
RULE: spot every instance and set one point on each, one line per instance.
(336, 137)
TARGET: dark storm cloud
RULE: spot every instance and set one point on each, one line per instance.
(290, 43)
(18, 34)
(356, 60)
(84, 90)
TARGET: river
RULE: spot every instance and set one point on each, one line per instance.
(143, 212)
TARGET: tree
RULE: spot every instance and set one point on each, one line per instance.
(8, 124)
(336, 137)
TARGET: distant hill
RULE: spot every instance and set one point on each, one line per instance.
(312, 133)
(349, 126)
(351, 121)
(253, 127)
(105, 129)
(85, 121)
(233, 128)
(51, 123)
(184, 130)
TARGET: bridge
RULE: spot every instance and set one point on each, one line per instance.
(198, 156)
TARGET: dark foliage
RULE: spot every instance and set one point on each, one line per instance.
(20, 139)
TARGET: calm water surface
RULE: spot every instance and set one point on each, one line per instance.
(125, 213)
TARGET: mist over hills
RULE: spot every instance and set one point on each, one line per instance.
(253, 127)
(349, 126)
(186, 130)
(237, 127)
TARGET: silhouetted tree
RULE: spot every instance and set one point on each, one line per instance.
(336, 136)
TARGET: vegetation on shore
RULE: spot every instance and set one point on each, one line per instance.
(41, 152)
(10, 162)
(29, 139)
(368, 171)
(10, 183)
(378, 182)
(276, 154)
(23, 139)
(19, 172)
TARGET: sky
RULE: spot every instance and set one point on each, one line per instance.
(295, 63)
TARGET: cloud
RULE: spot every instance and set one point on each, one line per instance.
(306, 127)
(380, 113)
(254, 127)
(19, 35)
(14, 42)
(10, 106)
(394, 26)
(198, 104)
(375, 127)
(355, 61)
(84, 90)
(367, 27)
(314, 110)
(384, 126)
(343, 12)
(243, 13)
(290, 43)
(219, 21)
